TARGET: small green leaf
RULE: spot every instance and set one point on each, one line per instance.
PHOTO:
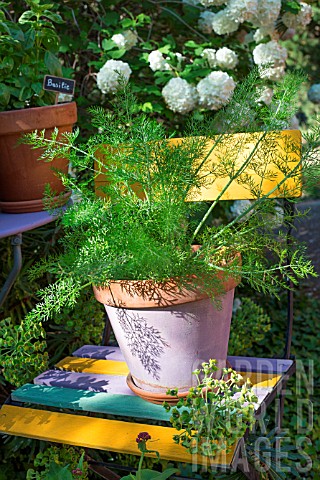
(107, 44)
(4, 95)
(292, 6)
(56, 472)
(5, 27)
(127, 23)
(94, 47)
(117, 53)
(112, 18)
(37, 88)
(147, 107)
(7, 64)
(26, 17)
(54, 17)
(25, 94)
(191, 44)
(52, 63)
(30, 36)
(142, 19)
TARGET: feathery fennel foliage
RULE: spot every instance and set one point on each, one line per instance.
(144, 228)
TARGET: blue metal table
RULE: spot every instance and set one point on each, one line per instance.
(13, 225)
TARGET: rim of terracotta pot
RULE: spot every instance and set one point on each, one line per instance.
(26, 119)
(152, 397)
(30, 206)
(150, 294)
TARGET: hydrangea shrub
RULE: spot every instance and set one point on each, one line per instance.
(194, 61)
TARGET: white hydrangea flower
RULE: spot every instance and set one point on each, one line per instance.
(314, 93)
(224, 23)
(214, 3)
(272, 73)
(157, 61)
(267, 12)
(109, 75)
(239, 207)
(242, 10)
(265, 95)
(126, 39)
(205, 21)
(270, 53)
(302, 19)
(180, 96)
(215, 90)
(226, 58)
(210, 55)
(179, 56)
(119, 40)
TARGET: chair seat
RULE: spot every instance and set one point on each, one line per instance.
(72, 404)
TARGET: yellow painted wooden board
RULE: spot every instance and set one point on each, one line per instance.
(97, 433)
(261, 379)
(281, 151)
(113, 367)
(89, 365)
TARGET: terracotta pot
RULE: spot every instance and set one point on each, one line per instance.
(22, 177)
(166, 333)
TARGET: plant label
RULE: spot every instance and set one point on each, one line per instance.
(59, 85)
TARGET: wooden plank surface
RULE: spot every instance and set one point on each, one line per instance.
(97, 433)
(109, 404)
(68, 398)
(260, 380)
(91, 382)
(257, 364)
(89, 365)
(99, 352)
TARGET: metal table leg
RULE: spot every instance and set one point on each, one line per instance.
(16, 242)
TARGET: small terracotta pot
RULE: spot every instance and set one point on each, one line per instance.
(22, 176)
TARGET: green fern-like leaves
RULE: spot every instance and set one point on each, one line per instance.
(138, 224)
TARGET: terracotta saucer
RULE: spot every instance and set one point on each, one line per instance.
(152, 397)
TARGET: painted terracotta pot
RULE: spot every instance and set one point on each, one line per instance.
(22, 177)
(165, 333)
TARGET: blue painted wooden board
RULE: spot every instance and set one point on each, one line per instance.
(99, 353)
(112, 404)
(93, 382)
(261, 365)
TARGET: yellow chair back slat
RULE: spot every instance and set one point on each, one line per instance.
(271, 155)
